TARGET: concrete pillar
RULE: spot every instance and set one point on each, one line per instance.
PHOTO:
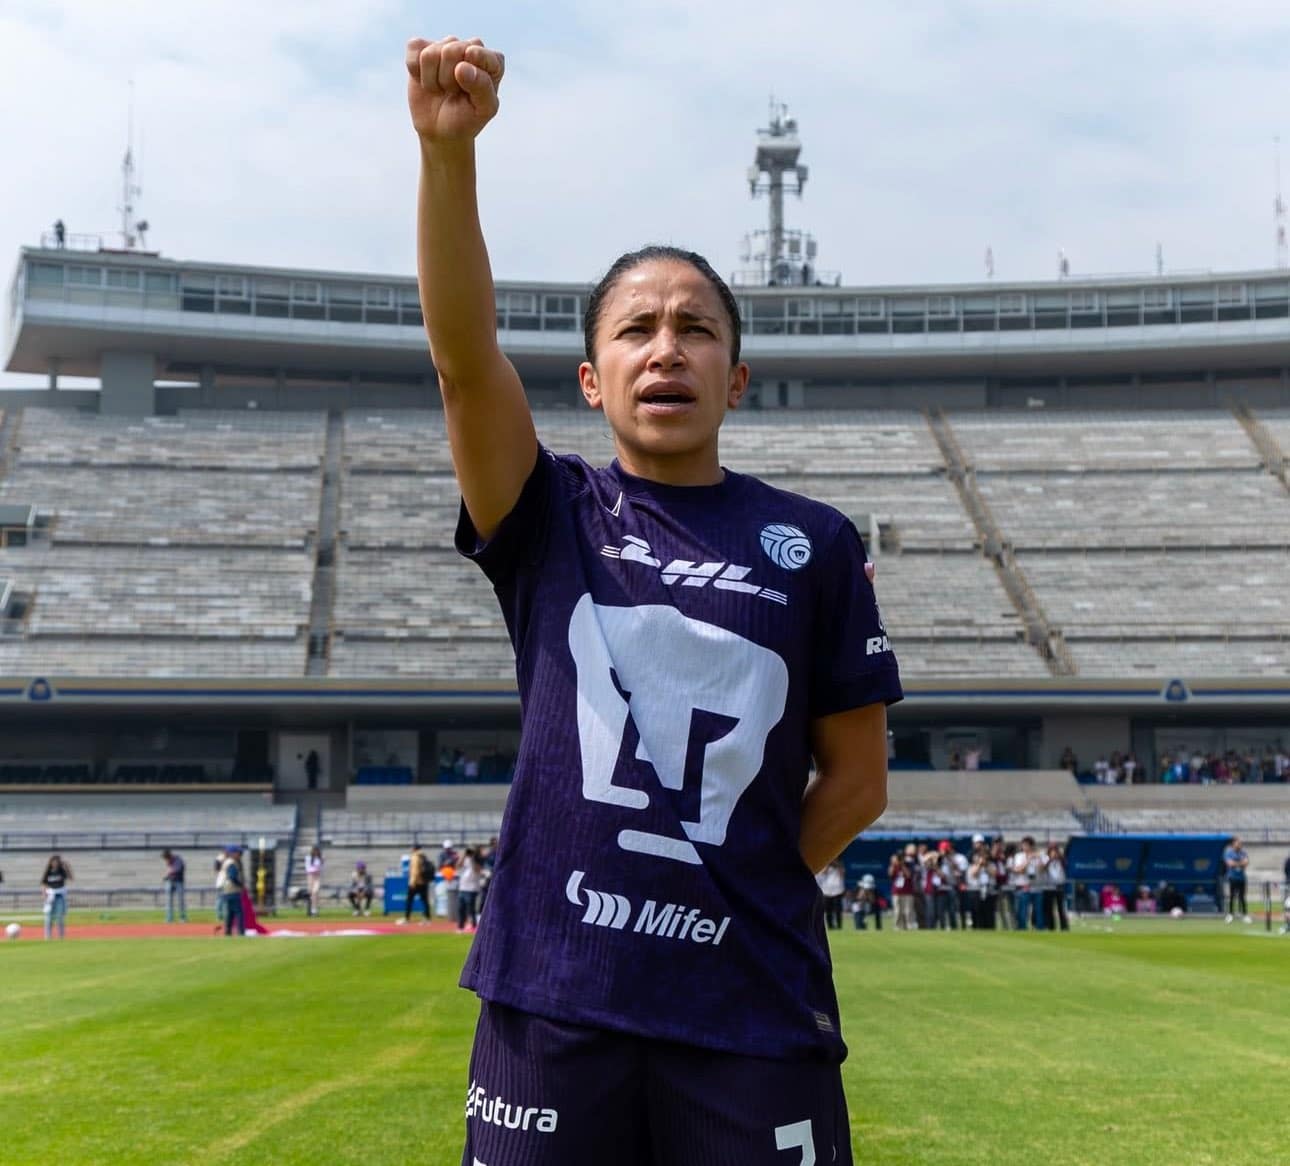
(127, 384)
(767, 394)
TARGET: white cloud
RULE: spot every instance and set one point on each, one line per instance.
(276, 132)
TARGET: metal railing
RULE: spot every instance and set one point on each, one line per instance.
(58, 840)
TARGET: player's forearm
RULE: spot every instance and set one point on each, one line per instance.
(456, 284)
(836, 808)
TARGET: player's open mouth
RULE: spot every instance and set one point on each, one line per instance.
(667, 397)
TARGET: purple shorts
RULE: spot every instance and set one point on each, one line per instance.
(546, 1093)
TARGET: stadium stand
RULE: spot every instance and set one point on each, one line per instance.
(1116, 441)
(1154, 542)
(166, 546)
(951, 617)
(1044, 803)
(113, 841)
(1260, 813)
(63, 819)
(208, 439)
(1224, 508)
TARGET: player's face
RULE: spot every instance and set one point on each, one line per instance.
(663, 374)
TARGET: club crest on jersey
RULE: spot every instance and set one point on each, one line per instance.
(722, 576)
(786, 546)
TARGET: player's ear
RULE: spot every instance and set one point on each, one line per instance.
(590, 385)
(738, 385)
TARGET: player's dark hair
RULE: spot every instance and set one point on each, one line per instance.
(633, 259)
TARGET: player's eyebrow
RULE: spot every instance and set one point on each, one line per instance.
(649, 315)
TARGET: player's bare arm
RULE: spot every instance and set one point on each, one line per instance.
(452, 95)
(850, 787)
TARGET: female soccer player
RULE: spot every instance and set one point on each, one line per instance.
(654, 977)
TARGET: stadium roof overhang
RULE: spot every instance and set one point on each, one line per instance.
(58, 337)
(67, 328)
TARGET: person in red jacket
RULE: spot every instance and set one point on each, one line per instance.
(902, 894)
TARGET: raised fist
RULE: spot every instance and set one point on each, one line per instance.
(452, 87)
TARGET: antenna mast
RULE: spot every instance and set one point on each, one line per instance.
(782, 257)
(1279, 211)
(132, 231)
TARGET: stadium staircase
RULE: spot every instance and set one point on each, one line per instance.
(1040, 633)
(1274, 458)
(12, 419)
(304, 839)
(324, 581)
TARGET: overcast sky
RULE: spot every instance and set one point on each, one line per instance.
(275, 132)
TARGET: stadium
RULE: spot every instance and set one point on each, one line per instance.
(230, 609)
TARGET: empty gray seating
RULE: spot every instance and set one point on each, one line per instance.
(173, 591)
(242, 440)
(1218, 508)
(1171, 440)
(1146, 593)
(162, 507)
(765, 443)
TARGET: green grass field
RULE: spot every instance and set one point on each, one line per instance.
(1163, 1043)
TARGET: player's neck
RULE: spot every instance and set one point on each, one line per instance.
(692, 468)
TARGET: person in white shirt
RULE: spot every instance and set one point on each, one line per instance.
(469, 880)
(313, 878)
(1027, 867)
(1054, 882)
(833, 886)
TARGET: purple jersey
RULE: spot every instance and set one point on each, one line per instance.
(673, 644)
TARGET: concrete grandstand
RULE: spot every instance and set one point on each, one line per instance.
(236, 552)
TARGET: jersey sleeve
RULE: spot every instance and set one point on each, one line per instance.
(854, 664)
(521, 536)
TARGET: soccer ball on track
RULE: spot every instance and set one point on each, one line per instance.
(13, 930)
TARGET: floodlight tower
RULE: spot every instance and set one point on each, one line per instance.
(778, 149)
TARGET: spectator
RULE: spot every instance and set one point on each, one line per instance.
(833, 886)
(1131, 770)
(468, 884)
(418, 883)
(1236, 860)
(983, 886)
(313, 767)
(866, 904)
(972, 759)
(360, 890)
(1068, 761)
(929, 880)
(914, 857)
(54, 884)
(1026, 869)
(956, 876)
(1111, 900)
(1054, 882)
(946, 888)
(313, 878)
(60, 234)
(487, 857)
(1169, 898)
(219, 898)
(447, 855)
(1006, 912)
(229, 885)
(902, 893)
(1285, 894)
(1145, 903)
(173, 878)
